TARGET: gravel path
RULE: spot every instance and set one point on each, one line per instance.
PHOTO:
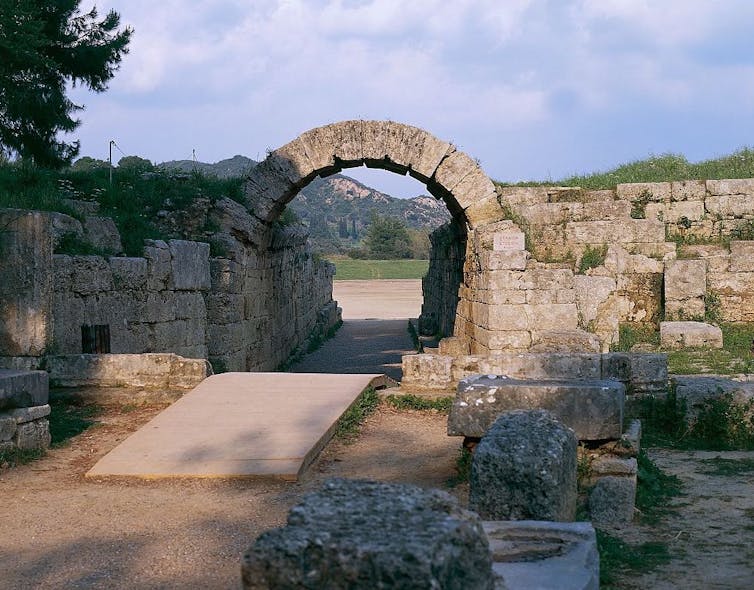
(361, 346)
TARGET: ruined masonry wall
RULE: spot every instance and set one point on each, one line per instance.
(524, 288)
(243, 313)
(444, 276)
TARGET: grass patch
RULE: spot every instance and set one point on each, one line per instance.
(663, 168)
(592, 258)
(350, 422)
(727, 467)
(410, 401)
(629, 335)
(721, 424)
(618, 557)
(69, 417)
(654, 490)
(133, 199)
(734, 357)
(348, 269)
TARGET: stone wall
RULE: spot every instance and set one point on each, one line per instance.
(246, 310)
(151, 304)
(440, 284)
(570, 265)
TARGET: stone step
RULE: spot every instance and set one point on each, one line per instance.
(23, 389)
(593, 409)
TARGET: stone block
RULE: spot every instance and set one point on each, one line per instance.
(427, 370)
(652, 191)
(23, 415)
(688, 190)
(601, 210)
(453, 346)
(225, 308)
(556, 317)
(120, 370)
(736, 186)
(612, 500)
(90, 274)
(23, 389)
(189, 305)
(33, 435)
(544, 555)
(591, 295)
(742, 256)
(547, 366)
(487, 341)
(505, 260)
(484, 211)
(128, 273)
(452, 170)
(685, 279)
(102, 233)
(64, 225)
(292, 162)
(365, 535)
(675, 335)
(616, 366)
(537, 481)
(473, 188)
(729, 205)
(8, 428)
(189, 265)
(593, 409)
(157, 255)
(501, 317)
(564, 341)
(649, 373)
(234, 219)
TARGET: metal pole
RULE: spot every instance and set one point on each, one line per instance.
(112, 141)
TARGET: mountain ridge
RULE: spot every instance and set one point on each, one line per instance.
(337, 209)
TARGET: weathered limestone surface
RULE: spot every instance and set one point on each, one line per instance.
(545, 555)
(593, 409)
(24, 410)
(365, 535)
(612, 499)
(23, 389)
(674, 335)
(27, 283)
(524, 468)
(697, 390)
(685, 288)
(155, 370)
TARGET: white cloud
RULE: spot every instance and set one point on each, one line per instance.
(242, 76)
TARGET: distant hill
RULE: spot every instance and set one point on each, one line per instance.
(338, 208)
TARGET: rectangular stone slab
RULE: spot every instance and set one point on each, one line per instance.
(593, 409)
(239, 425)
(23, 389)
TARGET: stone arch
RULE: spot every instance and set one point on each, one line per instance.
(449, 174)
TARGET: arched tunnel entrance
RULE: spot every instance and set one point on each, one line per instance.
(448, 174)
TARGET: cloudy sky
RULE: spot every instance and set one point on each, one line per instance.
(534, 89)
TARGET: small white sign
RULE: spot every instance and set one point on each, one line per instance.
(510, 240)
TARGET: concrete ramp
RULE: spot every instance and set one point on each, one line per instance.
(239, 425)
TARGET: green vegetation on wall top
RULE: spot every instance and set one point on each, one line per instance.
(664, 168)
(133, 200)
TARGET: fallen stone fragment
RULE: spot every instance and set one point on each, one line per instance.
(370, 535)
(524, 468)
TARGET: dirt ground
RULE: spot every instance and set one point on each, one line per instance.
(60, 530)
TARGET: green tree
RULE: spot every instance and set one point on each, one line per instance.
(387, 239)
(87, 163)
(44, 46)
(135, 164)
